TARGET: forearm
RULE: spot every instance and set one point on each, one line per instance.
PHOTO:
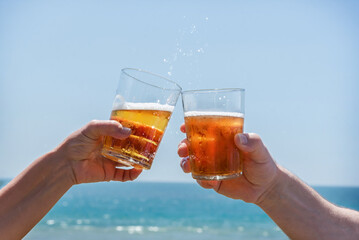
(303, 214)
(28, 197)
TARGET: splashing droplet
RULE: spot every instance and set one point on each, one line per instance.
(200, 50)
(193, 29)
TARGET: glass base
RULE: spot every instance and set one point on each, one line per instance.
(128, 161)
(216, 177)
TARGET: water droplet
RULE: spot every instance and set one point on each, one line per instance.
(165, 60)
(193, 29)
(169, 73)
(206, 18)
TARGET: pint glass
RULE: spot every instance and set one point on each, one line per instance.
(212, 118)
(144, 102)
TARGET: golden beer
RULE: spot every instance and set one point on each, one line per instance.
(212, 152)
(147, 125)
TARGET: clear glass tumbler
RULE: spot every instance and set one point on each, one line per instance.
(212, 118)
(144, 102)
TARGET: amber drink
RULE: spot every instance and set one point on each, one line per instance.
(148, 123)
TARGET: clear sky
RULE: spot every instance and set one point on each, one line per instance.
(298, 61)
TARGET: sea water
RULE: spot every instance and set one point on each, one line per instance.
(140, 210)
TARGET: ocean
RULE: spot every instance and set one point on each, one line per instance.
(142, 210)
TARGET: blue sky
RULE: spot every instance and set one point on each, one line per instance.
(298, 61)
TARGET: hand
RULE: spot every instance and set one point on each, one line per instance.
(82, 149)
(259, 170)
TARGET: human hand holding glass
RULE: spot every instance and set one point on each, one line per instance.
(82, 149)
(76, 160)
(259, 169)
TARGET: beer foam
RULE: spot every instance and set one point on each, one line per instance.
(205, 113)
(143, 106)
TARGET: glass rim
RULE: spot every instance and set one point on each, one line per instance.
(214, 90)
(124, 70)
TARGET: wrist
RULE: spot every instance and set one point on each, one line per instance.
(275, 190)
(63, 166)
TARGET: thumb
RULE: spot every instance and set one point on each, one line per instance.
(97, 128)
(252, 145)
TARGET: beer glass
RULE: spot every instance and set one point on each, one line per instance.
(144, 102)
(212, 118)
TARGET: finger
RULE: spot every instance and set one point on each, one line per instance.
(185, 165)
(96, 129)
(183, 148)
(134, 173)
(209, 184)
(126, 175)
(251, 144)
(183, 128)
(119, 165)
(236, 188)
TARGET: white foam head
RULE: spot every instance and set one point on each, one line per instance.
(142, 106)
(207, 113)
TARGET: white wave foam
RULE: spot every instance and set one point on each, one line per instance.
(153, 229)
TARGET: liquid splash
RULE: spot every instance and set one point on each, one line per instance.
(188, 47)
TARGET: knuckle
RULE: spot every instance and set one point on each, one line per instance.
(113, 122)
(93, 123)
(255, 139)
(254, 136)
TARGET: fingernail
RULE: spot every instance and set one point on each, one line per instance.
(182, 163)
(181, 145)
(242, 139)
(126, 131)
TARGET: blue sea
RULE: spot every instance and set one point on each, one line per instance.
(141, 210)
